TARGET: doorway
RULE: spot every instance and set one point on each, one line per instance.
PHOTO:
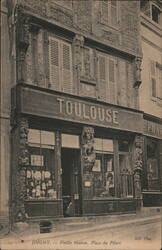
(71, 182)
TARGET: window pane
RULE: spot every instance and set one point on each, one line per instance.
(103, 144)
(47, 138)
(70, 141)
(37, 160)
(34, 136)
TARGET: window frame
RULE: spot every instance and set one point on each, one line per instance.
(157, 77)
(107, 81)
(61, 43)
(108, 22)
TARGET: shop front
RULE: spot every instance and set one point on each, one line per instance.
(152, 182)
(74, 157)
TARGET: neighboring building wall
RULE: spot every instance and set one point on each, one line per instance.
(151, 103)
(5, 100)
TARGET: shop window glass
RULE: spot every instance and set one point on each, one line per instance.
(103, 175)
(40, 175)
(152, 166)
(103, 144)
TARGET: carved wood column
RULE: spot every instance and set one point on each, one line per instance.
(22, 38)
(21, 163)
(88, 159)
(77, 58)
(138, 167)
(58, 169)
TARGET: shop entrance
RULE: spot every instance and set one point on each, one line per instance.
(71, 182)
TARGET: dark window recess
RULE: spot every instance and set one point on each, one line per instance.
(124, 146)
(153, 87)
(155, 14)
(152, 165)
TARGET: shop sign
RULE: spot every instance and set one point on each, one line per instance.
(64, 107)
(153, 129)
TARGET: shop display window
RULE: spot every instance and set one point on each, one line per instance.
(152, 165)
(40, 175)
(103, 169)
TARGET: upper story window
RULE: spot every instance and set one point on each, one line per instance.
(156, 80)
(60, 65)
(109, 12)
(107, 78)
(151, 10)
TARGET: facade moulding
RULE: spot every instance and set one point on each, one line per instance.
(151, 43)
(148, 23)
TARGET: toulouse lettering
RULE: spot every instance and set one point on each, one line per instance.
(87, 112)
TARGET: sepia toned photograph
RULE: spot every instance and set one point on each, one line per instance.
(81, 125)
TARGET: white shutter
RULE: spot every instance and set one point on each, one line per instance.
(112, 81)
(102, 76)
(66, 67)
(54, 63)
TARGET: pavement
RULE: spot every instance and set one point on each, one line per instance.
(76, 225)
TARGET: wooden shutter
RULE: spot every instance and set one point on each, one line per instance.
(66, 67)
(112, 81)
(54, 64)
(159, 79)
(153, 79)
(113, 12)
(104, 11)
(102, 76)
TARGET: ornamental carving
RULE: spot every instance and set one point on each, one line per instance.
(78, 44)
(88, 152)
(138, 165)
(138, 62)
(23, 142)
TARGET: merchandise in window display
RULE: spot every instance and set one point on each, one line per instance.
(40, 185)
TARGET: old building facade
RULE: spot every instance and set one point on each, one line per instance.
(75, 127)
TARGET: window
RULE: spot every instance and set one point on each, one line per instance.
(109, 12)
(156, 80)
(40, 175)
(152, 165)
(151, 10)
(156, 14)
(60, 65)
(103, 169)
(107, 78)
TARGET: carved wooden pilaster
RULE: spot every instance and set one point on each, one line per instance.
(58, 163)
(23, 162)
(138, 165)
(23, 27)
(138, 81)
(77, 45)
(88, 153)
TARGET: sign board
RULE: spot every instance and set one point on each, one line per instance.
(153, 129)
(65, 107)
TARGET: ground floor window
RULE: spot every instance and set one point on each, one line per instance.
(152, 164)
(40, 175)
(103, 169)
